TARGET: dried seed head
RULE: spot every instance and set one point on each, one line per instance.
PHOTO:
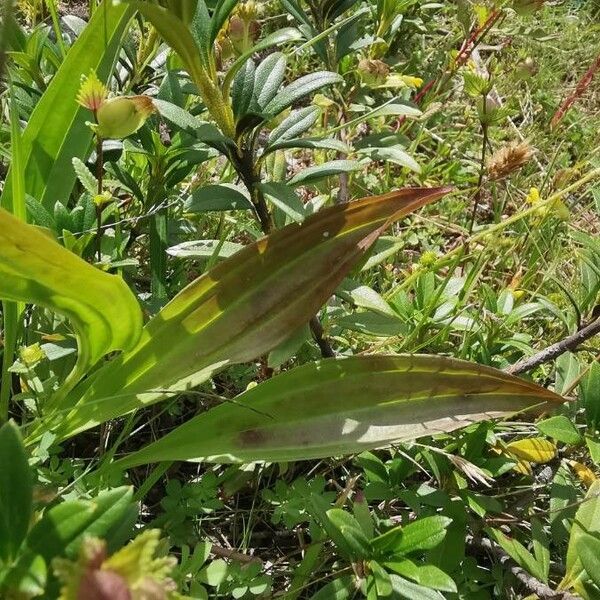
(373, 71)
(508, 159)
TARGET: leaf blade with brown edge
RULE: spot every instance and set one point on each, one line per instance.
(241, 308)
(342, 406)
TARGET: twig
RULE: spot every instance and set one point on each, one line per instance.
(571, 342)
(543, 591)
(484, 143)
(233, 555)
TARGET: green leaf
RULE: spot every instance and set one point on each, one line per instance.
(28, 576)
(63, 527)
(297, 415)
(215, 573)
(589, 392)
(205, 249)
(428, 575)
(338, 589)
(216, 197)
(587, 521)
(588, 548)
(394, 154)
(356, 542)
(299, 88)
(34, 268)
(541, 547)
(560, 428)
(312, 174)
(284, 198)
(220, 14)
(85, 176)
(242, 91)
(269, 77)
(201, 31)
(16, 204)
(240, 309)
(279, 37)
(16, 488)
(413, 591)
(383, 584)
(312, 143)
(519, 554)
(423, 534)
(177, 115)
(176, 33)
(57, 131)
(296, 124)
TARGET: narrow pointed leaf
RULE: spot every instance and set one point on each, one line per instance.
(16, 489)
(342, 406)
(35, 269)
(176, 33)
(296, 124)
(221, 13)
(300, 88)
(57, 130)
(240, 309)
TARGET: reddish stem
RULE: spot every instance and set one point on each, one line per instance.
(583, 84)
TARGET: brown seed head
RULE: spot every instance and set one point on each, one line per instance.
(508, 159)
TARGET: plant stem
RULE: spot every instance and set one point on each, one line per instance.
(99, 178)
(484, 144)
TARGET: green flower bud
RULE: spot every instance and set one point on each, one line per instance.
(120, 117)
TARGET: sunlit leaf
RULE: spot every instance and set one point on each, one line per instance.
(537, 450)
(241, 308)
(35, 269)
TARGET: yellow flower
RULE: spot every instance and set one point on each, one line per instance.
(120, 117)
(31, 355)
(583, 472)
(92, 92)
(414, 82)
(533, 197)
(556, 208)
(132, 573)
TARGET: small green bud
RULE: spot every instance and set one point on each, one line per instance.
(428, 259)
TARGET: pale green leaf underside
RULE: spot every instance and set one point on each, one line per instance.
(342, 406)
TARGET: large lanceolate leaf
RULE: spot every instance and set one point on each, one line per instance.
(57, 130)
(240, 309)
(341, 406)
(36, 269)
